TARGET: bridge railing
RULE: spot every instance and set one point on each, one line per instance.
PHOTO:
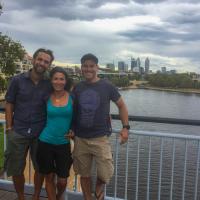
(152, 165)
(166, 155)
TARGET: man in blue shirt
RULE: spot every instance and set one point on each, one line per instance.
(25, 118)
(92, 127)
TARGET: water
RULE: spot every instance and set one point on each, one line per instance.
(162, 103)
(154, 103)
(159, 104)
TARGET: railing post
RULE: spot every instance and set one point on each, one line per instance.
(160, 170)
(172, 173)
(4, 144)
(116, 161)
(197, 172)
(184, 171)
(149, 168)
(75, 183)
(29, 167)
(137, 170)
(126, 171)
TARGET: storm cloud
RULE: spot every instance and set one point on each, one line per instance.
(164, 30)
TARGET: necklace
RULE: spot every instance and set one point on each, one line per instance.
(59, 98)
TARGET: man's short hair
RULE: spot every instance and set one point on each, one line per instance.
(47, 51)
(89, 56)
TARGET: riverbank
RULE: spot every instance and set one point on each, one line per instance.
(181, 90)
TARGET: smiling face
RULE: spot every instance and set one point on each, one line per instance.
(58, 81)
(41, 62)
(89, 70)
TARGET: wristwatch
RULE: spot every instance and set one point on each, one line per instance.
(126, 126)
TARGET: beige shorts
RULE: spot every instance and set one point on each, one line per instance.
(99, 149)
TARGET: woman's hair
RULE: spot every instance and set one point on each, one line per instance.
(68, 85)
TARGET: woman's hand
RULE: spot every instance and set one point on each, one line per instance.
(69, 135)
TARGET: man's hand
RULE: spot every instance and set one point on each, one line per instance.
(123, 137)
(9, 130)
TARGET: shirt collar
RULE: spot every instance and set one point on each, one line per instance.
(28, 75)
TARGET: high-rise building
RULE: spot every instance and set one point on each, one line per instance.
(126, 67)
(147, 65)
(121, 66)
(141, 70)
(133, 64)
(138, 63)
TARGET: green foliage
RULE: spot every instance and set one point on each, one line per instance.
(3, 84)
(171, 81)
(116, 79)
(134, 76)
(120, 81)
(10, 52)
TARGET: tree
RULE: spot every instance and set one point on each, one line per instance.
(171, 80)
(10, 52)
(3, 84)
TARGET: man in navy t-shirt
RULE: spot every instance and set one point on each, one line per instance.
(92, 126)
(25, 118)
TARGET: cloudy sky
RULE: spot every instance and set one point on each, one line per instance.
(166, 31)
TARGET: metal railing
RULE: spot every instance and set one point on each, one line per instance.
(137, 174)
(187, 140)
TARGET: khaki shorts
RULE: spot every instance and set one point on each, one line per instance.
(16, 152)
(99, 149)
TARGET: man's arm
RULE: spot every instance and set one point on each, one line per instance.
(123, 113)
(9, 115)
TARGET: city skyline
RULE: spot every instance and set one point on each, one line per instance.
(165, 31)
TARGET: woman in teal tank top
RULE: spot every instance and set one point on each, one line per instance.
(53, 153)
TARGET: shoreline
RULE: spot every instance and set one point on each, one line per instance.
(180, 90)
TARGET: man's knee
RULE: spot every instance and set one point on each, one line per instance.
(104, 179)
(105, 175)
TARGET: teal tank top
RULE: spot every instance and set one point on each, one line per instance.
(58, 123)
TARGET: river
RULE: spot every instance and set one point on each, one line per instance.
(143, 102)
(154, 103)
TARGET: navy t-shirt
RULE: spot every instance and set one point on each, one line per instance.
(92, 108)
(29, 102)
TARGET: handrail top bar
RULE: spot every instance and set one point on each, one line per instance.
(160, 134)
(163, 120)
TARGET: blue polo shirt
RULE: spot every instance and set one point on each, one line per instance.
(29, 102)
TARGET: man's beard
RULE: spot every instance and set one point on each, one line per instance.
(39, 70)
